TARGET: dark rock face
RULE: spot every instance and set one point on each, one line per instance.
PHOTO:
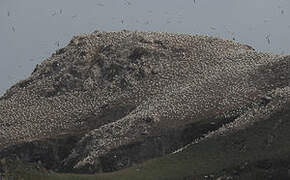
(112, 99)
(49, 153)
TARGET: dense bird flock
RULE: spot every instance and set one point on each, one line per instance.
(121, 88)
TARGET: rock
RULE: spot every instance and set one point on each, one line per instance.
(128, 97)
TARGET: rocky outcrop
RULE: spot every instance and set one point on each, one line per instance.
(132, 96)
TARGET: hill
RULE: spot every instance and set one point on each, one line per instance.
(113, 100)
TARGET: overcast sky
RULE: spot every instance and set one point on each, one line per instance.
(31, 30)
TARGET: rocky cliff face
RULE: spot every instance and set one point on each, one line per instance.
(112, 99)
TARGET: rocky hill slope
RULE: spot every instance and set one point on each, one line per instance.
(109, 100)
